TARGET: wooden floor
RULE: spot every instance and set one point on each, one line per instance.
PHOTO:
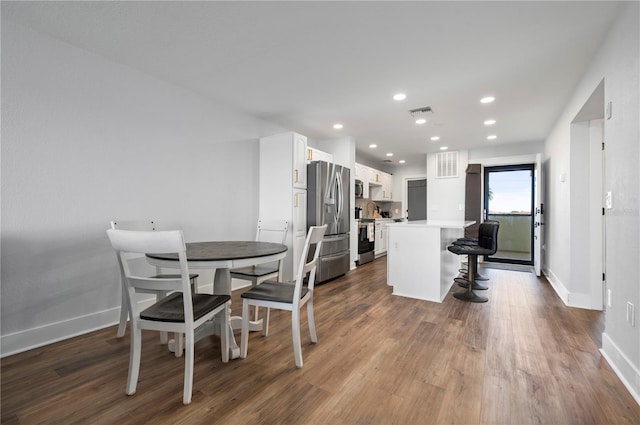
(521, 358)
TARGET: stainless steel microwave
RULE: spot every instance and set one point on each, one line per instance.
(359, 189)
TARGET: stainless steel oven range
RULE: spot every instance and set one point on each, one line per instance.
(366, 240)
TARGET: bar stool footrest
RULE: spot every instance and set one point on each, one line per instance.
(464, 283)
(470, 297)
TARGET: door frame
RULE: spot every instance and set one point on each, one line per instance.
(405, 192)
(485, 213)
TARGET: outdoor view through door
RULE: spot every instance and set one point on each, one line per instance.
(508, 198)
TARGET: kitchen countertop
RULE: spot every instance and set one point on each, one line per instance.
(448, 224)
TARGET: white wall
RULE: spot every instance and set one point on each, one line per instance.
(401, 175)
(617, 62)
(86, 141)
(446, 196)
(502, 151)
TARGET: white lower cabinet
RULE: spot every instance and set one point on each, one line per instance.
(298, 228)
(380, 243)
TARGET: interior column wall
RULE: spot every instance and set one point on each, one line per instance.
(617, 62)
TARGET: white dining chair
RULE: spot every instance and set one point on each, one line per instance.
(143, 225)
(267, 231)
(286, 296)
(169, 314)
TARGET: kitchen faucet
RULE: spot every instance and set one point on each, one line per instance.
(372, 210)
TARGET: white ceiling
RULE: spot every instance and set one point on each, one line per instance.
(308, 65)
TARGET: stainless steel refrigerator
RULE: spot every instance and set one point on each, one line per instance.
(328, 202)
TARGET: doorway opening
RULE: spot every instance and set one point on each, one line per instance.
(416, 199)
(509, 199)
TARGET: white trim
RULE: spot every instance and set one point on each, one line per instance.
(622, 366)
(557, 286)
(570, 299)
(405, 195)
(50, 333)
(53, 332)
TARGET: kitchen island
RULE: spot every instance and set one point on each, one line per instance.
(418, 263)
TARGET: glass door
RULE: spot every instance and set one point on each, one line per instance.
(508, 198)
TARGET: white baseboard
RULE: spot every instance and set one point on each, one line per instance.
(557, 286)
(622, 366)
(50, 333)
(570, 299)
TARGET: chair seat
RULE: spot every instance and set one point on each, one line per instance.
(255, 270)
(174, 276)
(170, 309)
(466, 241)
(469, 250)
(273, 291)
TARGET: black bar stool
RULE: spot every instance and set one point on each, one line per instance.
(463, 281)
(487, 245)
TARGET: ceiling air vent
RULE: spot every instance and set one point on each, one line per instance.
(446, 164)
(421, 111)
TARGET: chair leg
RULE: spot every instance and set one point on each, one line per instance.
(164, 336)
(265, 322)
(224, 333)
(295, 330)
(244, 336)
(178, 343)
(124, 315)
(134, 359)
(188, 368)
(312, 322)
(194, 285)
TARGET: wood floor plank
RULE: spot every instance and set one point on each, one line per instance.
(521, 358)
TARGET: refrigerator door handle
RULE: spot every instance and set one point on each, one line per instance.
(339, 199)
(329, 193)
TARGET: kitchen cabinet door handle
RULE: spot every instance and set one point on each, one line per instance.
(296, 171)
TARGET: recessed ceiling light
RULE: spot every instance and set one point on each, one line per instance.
(491, 137)
(399, 96)
(487, 99)
(389, 154)
(444, 148)
(435, 138)
(338, 126)
(489, 122)
(402, 161)
(421, 121)
(373, 146)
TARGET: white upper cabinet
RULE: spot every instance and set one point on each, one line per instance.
(314, 154)
(375, 176)
(299, 161)
(378, 185)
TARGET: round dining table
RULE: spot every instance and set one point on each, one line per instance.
(222, 256)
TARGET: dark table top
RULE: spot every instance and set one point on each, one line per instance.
(225, 250)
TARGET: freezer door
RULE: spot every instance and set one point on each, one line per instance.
(334, 243)
(332, 266)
